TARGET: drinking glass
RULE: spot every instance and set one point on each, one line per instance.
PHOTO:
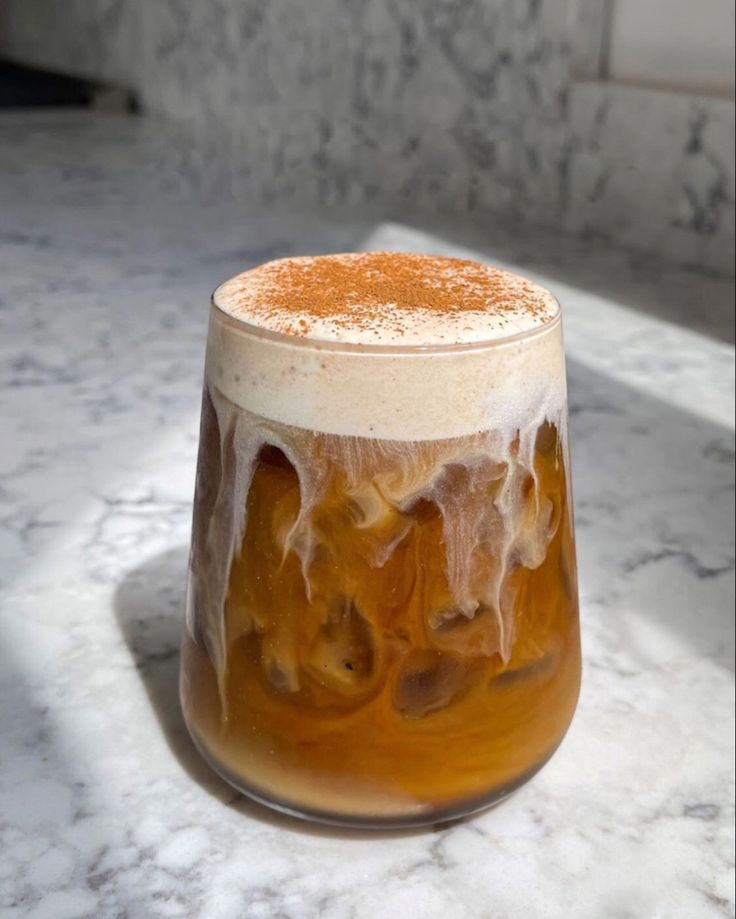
(382, 615)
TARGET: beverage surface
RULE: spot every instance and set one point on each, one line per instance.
(388, 345)
(386, 298)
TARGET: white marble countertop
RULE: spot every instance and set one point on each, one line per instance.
(106, 810)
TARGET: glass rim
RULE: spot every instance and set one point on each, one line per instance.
(367, 348)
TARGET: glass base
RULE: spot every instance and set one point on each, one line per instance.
(429, 817)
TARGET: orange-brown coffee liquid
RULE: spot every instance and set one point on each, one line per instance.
(357, 686)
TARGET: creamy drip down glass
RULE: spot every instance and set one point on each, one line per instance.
(382, 614)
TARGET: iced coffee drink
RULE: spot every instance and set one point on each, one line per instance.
(382, 621)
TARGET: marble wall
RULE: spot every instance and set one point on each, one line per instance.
(454, 105)
(654, 171)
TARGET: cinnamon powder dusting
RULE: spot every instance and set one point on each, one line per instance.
(385, 295)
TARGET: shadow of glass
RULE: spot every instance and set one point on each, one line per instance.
(654, 486)
(149, 609)
(654, 504)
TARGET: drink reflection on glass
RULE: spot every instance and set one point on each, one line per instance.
(382, 622)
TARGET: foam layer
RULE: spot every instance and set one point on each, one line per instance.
(432, 381)
(386, 298)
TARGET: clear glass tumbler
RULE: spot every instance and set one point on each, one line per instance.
(382, 617)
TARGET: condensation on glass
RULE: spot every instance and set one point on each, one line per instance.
(381, 630)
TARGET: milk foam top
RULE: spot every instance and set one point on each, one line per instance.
(386, 298)
(388, 345)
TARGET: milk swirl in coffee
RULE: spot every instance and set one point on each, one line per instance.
(382, 618)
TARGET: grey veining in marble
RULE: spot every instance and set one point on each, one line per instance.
(380, 101)
(675, 193)
(466, 106)
(106, 810)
